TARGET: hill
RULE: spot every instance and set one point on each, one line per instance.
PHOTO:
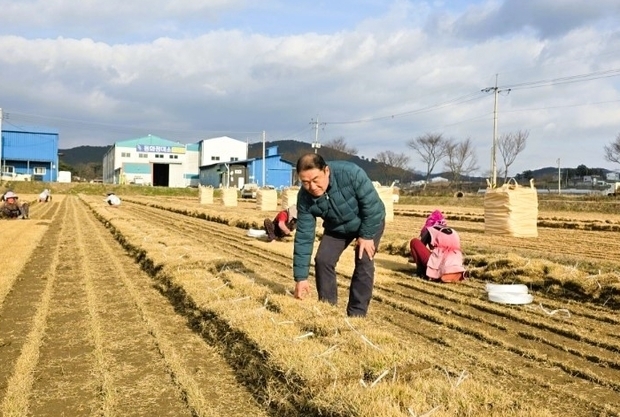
(83, 155)
(291, 150)
(86, 161)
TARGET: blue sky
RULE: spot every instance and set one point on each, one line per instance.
(378, 72)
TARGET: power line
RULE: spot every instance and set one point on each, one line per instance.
(457, 100)
(565, 80)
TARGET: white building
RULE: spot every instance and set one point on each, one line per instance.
(223, 162)
(222, 149)
(150, 160)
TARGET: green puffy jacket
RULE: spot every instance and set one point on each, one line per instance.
(351, 207)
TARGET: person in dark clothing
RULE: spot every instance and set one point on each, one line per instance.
(283, 225)
(344, 197)
(12, 209)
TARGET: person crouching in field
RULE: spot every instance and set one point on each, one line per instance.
(12, 209)
(113, 200)
(45, 196)
(283, 225)
(437, 251)
(344, 197)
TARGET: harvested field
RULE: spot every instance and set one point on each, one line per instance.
(166, 307)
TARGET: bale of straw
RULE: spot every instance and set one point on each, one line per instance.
(267, 199)
(289, 197)
(205, 194)
(387, 196)
(511, 210)
(229, 197)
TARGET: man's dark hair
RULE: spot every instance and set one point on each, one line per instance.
(310, 161)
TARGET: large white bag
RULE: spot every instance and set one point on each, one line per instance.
(511, 210)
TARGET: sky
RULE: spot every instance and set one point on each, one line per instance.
(378, 73)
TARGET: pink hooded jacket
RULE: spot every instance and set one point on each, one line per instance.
(446, 259)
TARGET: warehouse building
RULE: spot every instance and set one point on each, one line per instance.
(216, 162)
(149, 160)
(29, 154)
(224, 163)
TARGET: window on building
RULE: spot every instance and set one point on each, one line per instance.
(8, 168)
(39, 170)
(158, 155)
(125, 155)
(215, 158)
(143, 155)
(174, 156)
(234, 158)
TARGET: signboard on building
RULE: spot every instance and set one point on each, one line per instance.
(160, 149)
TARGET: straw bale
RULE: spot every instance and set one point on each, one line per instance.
(267, 199)
(511, 210)
(205, 194)
(289, 197)
(229, 197)
(387, 196)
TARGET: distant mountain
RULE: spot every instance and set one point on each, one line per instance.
(291, 150)
(83, 155)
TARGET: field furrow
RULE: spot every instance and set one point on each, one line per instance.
(558, 352)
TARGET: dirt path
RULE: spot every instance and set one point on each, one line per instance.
(84, 332)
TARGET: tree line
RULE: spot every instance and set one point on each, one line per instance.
(459, 157)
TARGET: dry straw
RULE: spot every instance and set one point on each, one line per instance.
(387, 197)
(205, 194)
(229, 197)
(289, 197)
(266, 199)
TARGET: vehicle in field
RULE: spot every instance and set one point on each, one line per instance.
(249, 190)
(612, 190)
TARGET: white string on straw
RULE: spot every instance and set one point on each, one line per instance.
(303, 336)
(462, 377)
(380, 377)
(552, 312)
(364, 338)
(328, 351)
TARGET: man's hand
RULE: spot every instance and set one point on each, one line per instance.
(302, 289)
(366, 245)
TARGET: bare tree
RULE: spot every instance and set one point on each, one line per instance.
(461, 159)
(612, 151)
(340, 144)
(391, 162)
(510, 145)
(432, 148)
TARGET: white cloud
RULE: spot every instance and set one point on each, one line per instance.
(382, 73)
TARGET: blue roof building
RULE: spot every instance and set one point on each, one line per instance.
(29, 153)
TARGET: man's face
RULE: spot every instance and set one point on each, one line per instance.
(315, 181)
(10, 200)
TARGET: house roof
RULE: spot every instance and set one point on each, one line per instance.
(148, 140)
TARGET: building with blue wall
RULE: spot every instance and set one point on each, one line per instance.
(29, 153)
(277, 172)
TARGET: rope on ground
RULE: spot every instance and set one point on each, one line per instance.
(552, 312)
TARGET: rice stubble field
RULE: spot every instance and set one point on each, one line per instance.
(166, 307)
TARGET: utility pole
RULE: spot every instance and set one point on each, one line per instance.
(316, 145)
(1, 162)
(559, 177)
(264, 161)
(496, 92)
